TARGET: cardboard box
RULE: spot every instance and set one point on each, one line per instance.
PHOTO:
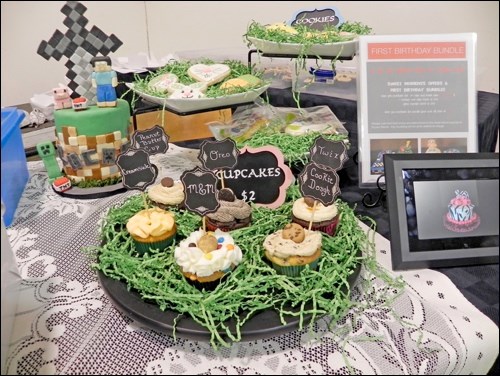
(14, 170)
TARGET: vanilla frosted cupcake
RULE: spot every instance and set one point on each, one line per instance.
(167, 194)
(325, 218)
(205, 257)
(232, 214)
(290, 250)
(152, 228)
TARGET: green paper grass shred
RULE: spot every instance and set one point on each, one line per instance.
(252, 287)
(180, 68)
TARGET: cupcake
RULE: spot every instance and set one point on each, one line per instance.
(152, 228)
(325, 218)
(167, 194)
(232, 214)
(206, 257)
(290, 250)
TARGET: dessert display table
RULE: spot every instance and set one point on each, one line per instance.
(65, 323)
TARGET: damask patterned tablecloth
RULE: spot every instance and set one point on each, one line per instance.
(65, 324)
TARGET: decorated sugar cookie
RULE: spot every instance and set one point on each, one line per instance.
(181, 91)
(209, 74)
(246, 80)
(163, 81)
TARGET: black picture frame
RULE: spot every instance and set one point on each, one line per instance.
(416, 185)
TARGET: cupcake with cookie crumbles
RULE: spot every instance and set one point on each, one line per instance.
(324, 218)
(232, 213)
(152, 228)
(206, 257)
(293, 249)
(167, 194)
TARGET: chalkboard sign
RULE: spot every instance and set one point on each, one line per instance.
(200, 188)
(260, 176)
(218, 154)
(320, 183)
(153, 140)
(136, 169)
(317, 19)
(328, 153)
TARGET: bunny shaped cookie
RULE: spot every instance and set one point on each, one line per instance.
(181, 91)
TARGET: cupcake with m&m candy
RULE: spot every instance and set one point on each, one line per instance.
(205, 258)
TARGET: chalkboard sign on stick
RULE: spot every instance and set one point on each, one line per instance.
(153, 140)
(317, 19)
(319, 183)
(215, 155)
(328, 153)
(260, 176)
(136, 169)
(200, 188)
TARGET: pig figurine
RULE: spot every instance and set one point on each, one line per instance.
(62, 98)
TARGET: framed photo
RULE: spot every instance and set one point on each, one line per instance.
(443, 209)
(416, 94)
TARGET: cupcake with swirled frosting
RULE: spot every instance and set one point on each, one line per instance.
(168, 194)
(232, 214)
(206, 257)
(152, 228)
(293, 249)
(324, 218)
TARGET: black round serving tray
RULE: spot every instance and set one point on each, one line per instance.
(262, 325)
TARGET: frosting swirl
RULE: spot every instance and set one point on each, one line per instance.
(150, 222)
(321, 213)
(193, 260)
(230, 211)
(173, 195)
(284, 248)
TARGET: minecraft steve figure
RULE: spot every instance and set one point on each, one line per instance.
(47, 153)
(104, 79)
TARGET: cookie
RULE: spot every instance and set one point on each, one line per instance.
(163, 81)
(181, 91)
(226, 194)
(294, 231)
(207, 243)
(246, 80)
(209, 74)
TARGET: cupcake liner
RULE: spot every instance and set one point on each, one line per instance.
(144, 247)
(209, 285)
(330, 228)
(294, 271)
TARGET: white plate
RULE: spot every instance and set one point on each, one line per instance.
(190, 105)
(341, 49)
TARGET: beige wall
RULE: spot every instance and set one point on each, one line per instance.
(174, 26)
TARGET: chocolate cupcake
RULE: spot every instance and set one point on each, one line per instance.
(232, 214)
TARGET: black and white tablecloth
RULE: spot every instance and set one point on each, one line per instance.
(65, 324)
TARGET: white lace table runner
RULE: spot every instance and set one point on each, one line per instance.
(66, 325)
